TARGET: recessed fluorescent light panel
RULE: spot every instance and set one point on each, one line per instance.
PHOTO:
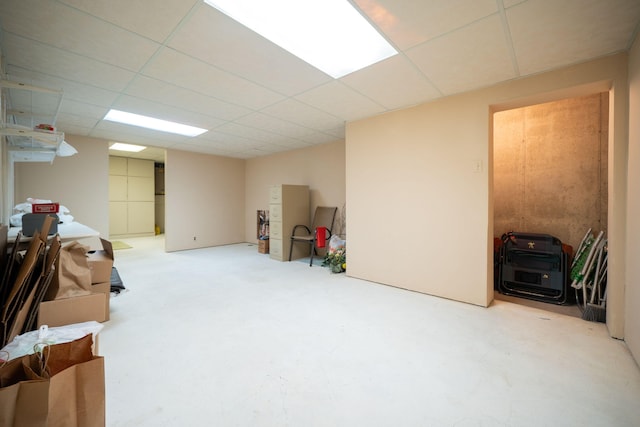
(331, 35)
(152, 123)
(126, 147)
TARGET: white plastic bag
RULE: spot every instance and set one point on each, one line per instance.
(28, 342)
(336, 243)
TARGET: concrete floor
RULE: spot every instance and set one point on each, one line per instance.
(228, 337)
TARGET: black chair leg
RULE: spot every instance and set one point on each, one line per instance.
(290, 249)
(313, 245)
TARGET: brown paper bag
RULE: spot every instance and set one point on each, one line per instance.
(25, 403)
(63, 386)
(73, 276)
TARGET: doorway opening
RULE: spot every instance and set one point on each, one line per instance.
(550, 174)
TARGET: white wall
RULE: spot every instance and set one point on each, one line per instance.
(204, 199)
(420, 214)
(632, 295)
(79, 182)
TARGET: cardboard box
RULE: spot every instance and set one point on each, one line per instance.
(101, 262)
(65, 311)
(263, 246)
(104, 288)
(45, 207)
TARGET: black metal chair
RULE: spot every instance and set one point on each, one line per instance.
(324, 216)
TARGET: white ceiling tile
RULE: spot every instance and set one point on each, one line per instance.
(220, 138)
(226, 141)
(248, 132)
(264, 150)
(72, 90)
(32, 20)
(393, 83)
(569, 31)
(341, 100)
(244, 54)
(473, 57)
(62, 64)
(71, 129)
(146, 17)
(186, 99)
(199, 148)
(275, 125)
(291, 143)
(190, 73)
(322, 138)
(68, 122)
(302, 114)
(337, 132)
(408, 23)
(81, 109)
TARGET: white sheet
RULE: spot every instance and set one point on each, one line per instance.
(67, 231)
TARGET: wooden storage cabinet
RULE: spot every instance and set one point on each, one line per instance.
(131, 197)
(288, 206)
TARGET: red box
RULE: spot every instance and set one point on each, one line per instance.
(45, 207)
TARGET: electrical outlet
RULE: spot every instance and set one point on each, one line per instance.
(477, 166)
(194, 238)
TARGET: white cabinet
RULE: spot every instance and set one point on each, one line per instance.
(288, 206)
(131, 197)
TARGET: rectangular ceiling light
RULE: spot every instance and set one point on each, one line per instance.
(152, 123)
(331, 35)
(120, 146)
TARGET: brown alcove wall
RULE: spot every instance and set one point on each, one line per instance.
(550, 168)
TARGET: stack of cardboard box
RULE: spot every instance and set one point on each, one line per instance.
(94, 306)
(37, 286)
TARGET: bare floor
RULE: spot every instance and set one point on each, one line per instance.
(228, 337)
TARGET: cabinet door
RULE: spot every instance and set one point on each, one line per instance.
(117, 165)
(117, 218)
(117, 188)
(138, 167)
(140, 189)
(141, 217)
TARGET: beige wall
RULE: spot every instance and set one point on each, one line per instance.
(418, 209)
(204, 200)
(321, 167)
(632, 296)
(418, 182)
(550, 168)
(79, 182)
(419, 186)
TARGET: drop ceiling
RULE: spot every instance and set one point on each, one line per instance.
(184, 61)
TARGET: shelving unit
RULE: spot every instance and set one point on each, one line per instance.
(26, 107)
(22, 108)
